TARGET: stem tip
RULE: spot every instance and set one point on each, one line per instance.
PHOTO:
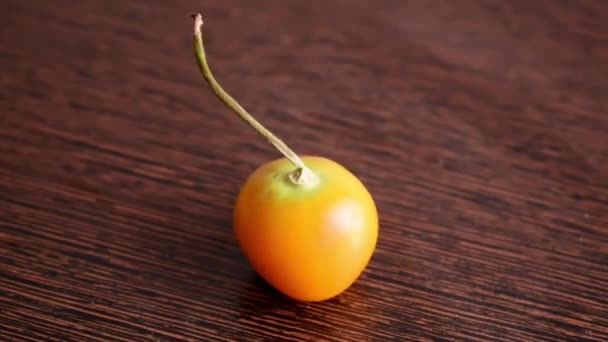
(198, 22)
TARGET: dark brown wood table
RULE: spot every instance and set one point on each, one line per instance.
(480, 128)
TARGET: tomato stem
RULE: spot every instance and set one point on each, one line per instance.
(302, 175)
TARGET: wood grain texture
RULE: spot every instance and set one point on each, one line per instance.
(480, 127)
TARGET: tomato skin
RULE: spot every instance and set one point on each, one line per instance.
(310, 242)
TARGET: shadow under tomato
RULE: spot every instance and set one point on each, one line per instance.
(263, 307)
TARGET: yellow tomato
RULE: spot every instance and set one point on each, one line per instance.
(309, 241)
(307, 225)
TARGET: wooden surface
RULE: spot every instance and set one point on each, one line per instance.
(480, 127)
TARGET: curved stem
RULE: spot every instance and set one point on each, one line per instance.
(302, 175)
